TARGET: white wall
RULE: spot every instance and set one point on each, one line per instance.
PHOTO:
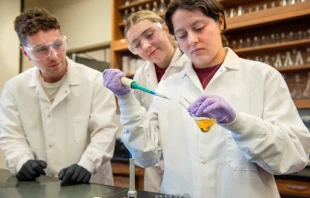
(9, 47)
(84, 22)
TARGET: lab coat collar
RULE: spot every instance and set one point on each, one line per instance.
(72, 77)
(177, 61)
(231, 61)
(176, 65)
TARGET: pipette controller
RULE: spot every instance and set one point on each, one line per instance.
(132, 84)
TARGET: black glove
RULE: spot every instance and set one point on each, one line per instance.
(74, 174)
(31, 170)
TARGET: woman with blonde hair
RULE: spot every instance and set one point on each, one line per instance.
(149, 38)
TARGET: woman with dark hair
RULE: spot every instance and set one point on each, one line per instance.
(258, 132)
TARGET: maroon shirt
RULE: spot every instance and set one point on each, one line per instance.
(206, 74)
(159, 72)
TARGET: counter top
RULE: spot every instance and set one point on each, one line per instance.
(49, 187)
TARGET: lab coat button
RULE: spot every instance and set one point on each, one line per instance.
(50, 146)
(203, 162)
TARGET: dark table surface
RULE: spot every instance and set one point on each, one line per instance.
(49, 187)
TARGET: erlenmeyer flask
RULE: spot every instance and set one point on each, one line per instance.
(298, 59)
(288, 60)
(127, 2)
(126, 15)
(297, 91)
(205, 124)
(308, 55)
(162, 6)
(306, 93)
(155, 7)
(147, 6)
(278, 61)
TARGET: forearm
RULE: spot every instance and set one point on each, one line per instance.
(277, 148)
(140, 134)
(99, 151)
(102, 128)
(16, 152)
(13, 139)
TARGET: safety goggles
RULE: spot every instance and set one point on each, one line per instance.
(40, 52)
(147, 36)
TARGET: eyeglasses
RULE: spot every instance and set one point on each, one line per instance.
(147, 36)
(40, 52)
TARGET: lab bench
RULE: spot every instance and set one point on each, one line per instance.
(295, 185)
(49, 187)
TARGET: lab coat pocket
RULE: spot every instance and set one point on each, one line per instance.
(235, 158)
(80, 124)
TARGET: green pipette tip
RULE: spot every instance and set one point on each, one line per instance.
(131, 83)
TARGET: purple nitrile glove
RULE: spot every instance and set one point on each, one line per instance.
(112, 80)
(213, 106)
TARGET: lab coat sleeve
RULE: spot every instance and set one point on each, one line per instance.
(136, 92)
(140, 134)
(102, 127)
(13, 140)
(278, 142)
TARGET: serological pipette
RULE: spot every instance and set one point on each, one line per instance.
(134, 85)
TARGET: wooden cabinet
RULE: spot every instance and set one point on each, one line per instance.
(292, 188)
(121, 175)
(277, 20)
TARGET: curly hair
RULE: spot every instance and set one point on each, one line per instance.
(32, 21)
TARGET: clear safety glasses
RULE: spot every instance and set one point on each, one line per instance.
(147, 36)
(40, 52)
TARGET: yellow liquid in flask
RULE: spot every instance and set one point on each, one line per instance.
(206, 125)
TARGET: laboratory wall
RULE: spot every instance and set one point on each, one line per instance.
(9, 46)
(84, 22)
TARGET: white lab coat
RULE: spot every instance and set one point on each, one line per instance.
(237, 160)
(78, 127)
(146, 76)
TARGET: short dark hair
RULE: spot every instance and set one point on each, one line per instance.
(210, 8)
(32, 21)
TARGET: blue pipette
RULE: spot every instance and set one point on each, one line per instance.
(132, 84)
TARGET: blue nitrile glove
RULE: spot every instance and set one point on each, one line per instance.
(112, 80)
(74, 174)
(31, 170)
(213, 106)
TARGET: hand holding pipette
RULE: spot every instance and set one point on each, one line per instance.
(112, 81)
(116, 81)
